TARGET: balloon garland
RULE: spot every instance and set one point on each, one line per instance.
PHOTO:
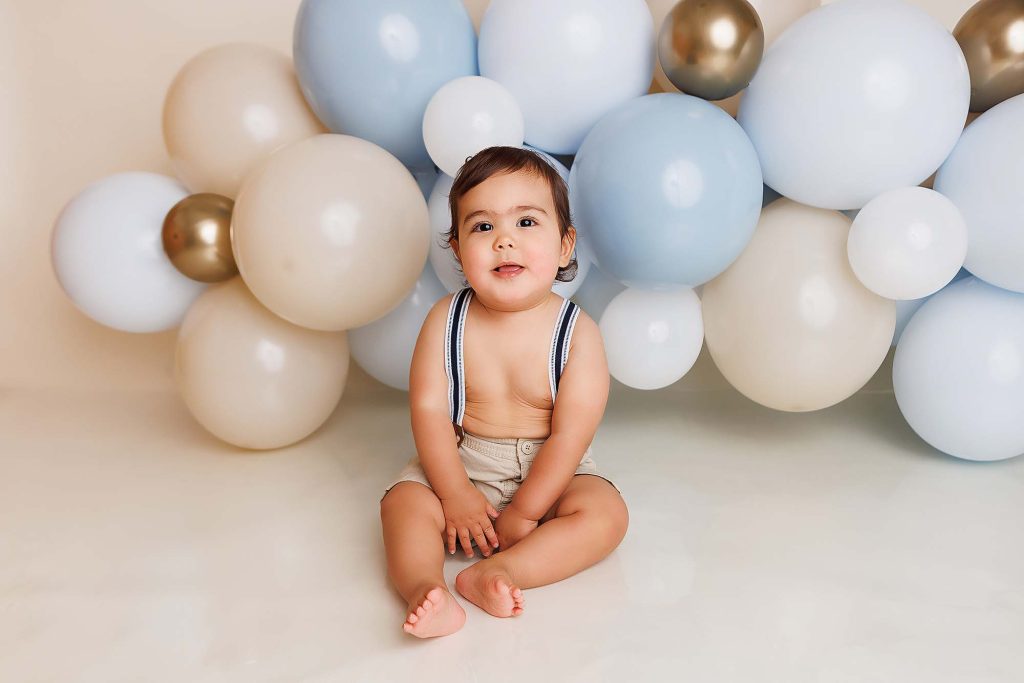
(806, 170)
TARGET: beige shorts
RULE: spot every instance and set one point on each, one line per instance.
(496, 466)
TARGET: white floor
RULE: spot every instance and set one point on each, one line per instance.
(832, 546)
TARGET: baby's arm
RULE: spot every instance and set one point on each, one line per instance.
(579, 406)
(432, 430)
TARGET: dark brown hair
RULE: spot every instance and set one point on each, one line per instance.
(495, 160)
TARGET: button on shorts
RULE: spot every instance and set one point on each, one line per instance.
(496, 466)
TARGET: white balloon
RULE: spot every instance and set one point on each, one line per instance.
(907, 243)
(958, 372)
(652, 338)
(984, 177)
(384, 347)
(568, 62)
(856, 98)
(467, 115)
(108, 255)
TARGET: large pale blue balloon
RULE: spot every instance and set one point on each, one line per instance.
(369, 68)
(668, 190)
(984, 177)
(856, 98)
(384, 347)
(958, 373)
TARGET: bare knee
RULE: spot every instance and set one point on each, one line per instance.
(618, 521)
(612, 521)
(412, 498)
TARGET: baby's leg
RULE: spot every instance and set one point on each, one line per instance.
(412, 520)
(590, 520)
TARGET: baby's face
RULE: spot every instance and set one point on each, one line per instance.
(510, 218)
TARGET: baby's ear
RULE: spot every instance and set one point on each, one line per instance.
(568, 244)
(454, 244)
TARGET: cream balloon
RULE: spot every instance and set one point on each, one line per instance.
(907, 243)
(775, 16)
(251, 378)
(788, 324)
(331, 232)
(228, 108)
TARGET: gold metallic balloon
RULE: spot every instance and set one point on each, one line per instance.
(197, 237)
(991, 35)
(711, 48)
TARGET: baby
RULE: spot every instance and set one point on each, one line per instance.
(488, 364)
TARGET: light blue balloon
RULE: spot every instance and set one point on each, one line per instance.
(369, 68)
(984, 177)
(668, 190)
(384, 347)
(958, 372)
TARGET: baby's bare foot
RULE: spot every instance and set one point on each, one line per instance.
(488, 586)
(437, 614)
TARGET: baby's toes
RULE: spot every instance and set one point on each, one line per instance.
(433, 598)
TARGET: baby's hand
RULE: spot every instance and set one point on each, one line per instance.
(468, 513)
(512, 527)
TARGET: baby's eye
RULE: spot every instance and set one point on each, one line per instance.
(481, 226)
(529, 220)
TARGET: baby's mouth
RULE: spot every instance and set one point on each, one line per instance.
(508, 268)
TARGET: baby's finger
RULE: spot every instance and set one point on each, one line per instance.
(492, 536)
(491, 511)
(464, 535)
(451, 539)
(481, 542)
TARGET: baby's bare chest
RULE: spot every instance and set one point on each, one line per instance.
(506, 368)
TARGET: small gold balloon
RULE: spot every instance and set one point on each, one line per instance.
(711, 48)
(991, 35)
(197, 237)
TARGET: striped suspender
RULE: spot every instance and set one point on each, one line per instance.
(453, 358)
(453, 364)
(560, 338)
